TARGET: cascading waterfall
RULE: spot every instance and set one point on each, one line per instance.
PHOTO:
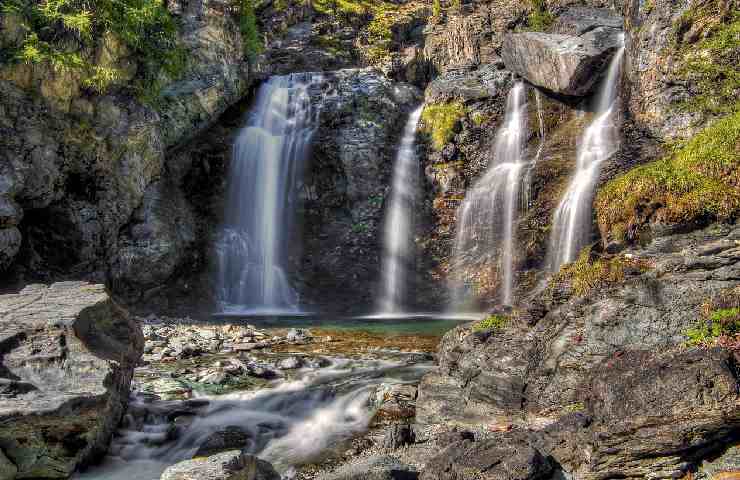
(527, 180)
(572, 221)
(268, 158)
(485, 232)
(398, 242)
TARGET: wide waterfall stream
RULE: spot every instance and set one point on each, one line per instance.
(571, 226)
(268, 162)
(485, 238)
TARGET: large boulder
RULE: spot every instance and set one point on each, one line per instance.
(231, 465)
(565, 64)
(67, 355)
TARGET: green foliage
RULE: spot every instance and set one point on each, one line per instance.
(436, 9)
(492, 322)
(712, 64)
(439, 121)
(589, 272)
(539, 19)
(248, 26)
(59, 32)
(697, 182)
(722, 322)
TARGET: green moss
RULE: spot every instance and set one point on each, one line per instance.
(589, 272)
(248, 26)
(711, 64)
(722, 322)
(539, 19)
(439, 121)
(698, 181)
(492, 322)
(57, 32)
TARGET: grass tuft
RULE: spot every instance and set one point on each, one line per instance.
(439, 121)
(492, 322)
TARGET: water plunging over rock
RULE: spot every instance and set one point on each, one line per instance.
(268, 161)
(485, 234)
(571, 227)
(398, 246)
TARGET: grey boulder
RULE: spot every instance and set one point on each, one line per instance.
(232, 465)
(67, 355)
(565, 64)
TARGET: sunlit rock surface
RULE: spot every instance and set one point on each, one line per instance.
(67, 357)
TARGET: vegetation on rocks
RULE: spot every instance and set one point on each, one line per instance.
(62, 33)
(590, 271)
(248, 26)
(699, 181)
(492, 322)
(707, 39)
(539, 19)
(720, 322)
(439, 121)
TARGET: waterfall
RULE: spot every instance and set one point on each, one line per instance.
(267, 163)
(398, 241)
(527, 180)
(485, 233)
(572, 221)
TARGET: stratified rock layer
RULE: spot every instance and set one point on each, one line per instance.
(67, 355)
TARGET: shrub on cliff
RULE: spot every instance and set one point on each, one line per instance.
(696, 183)
(63, 33)
(439, 121)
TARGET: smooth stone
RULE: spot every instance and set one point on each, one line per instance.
(232, 465)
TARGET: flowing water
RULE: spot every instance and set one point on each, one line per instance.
(527, 180)
(572, 224)
(294, 422)
(398, 240)
(485, 235)
(267, 164)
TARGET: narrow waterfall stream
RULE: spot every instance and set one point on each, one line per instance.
(268, 158)
(571, 226)
(398, 230)
(485, 235)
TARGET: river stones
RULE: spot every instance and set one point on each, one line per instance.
(228, 438)
(232, 465)
(67, 354)
(380, 467)
(565, 64)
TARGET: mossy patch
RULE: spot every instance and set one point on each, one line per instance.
(494, 322)
(719, 323)
(590, 271)
(697, 182)
(707, 37)
(439, 121)
(539, 18)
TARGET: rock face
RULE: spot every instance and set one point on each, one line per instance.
(569, 65)
(639, 412)
(67, 355)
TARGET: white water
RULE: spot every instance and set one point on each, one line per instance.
(398, 240)
(485, 234)
(573, 217)
(292, 423)
(267, 163)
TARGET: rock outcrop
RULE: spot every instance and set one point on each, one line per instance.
(565, 64)
(67, 355)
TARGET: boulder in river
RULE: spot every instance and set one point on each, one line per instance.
(232, 465)
(565, 64)
(67, 354)
(228, 438)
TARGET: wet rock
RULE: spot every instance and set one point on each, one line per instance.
(488, 81)
(289, 363)
(70, 352)
(298, 335)
(397, 436)
(395, 401)
(10, 244)
(166, 388)
(504, 457)
(578, 20)
(232, 465)
(227, 438)
(373, 468)
(564, 64)
(8, 470)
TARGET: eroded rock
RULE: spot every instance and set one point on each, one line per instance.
(67, 357)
